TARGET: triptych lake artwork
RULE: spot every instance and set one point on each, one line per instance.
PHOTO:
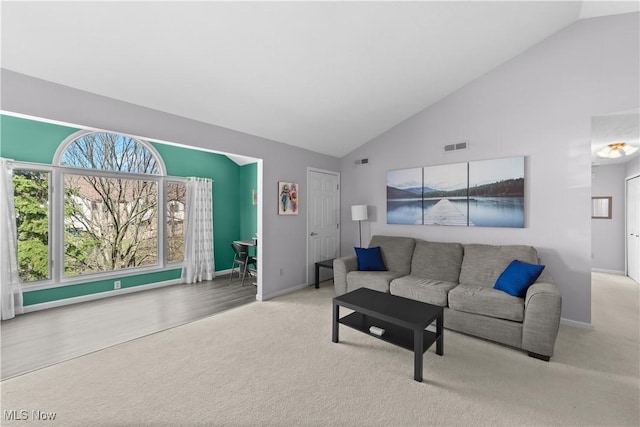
(487, 193)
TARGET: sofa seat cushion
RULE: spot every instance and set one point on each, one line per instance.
(376, 280)
(437, 260)
(487, 302)
(420, 289)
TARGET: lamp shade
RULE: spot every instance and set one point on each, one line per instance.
(359, 212)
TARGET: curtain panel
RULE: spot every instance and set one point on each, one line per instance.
(198, 256)
(11, 289)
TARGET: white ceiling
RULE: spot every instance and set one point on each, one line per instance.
(326, 76)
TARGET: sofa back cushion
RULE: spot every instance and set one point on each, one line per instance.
(437, 261)
(483, 264)
(396, 252)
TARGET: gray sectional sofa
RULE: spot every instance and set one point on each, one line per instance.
(460, 277)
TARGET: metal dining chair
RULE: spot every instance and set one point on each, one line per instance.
(241, 260)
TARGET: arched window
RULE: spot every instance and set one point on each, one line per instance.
(109, 152)
(113, 187)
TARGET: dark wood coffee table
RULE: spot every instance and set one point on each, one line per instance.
(404, 321)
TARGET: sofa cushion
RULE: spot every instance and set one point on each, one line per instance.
(396, 252)
(517, 277)
(420, 289)
(437, 261)
(483, 264)
(376, 280)
(370, 259)
(487, 302)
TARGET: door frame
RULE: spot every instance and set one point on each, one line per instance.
(626, 217)
(308, 240)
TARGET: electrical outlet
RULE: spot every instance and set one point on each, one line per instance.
(116, 284)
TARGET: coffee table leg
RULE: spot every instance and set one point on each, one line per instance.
(418, 336)
(317, 276)
(440, 334)
(336, 317)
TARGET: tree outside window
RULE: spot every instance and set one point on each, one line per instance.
(111, 223)
(31, 199)
(176, 216)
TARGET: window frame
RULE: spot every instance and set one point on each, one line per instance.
(57, 218)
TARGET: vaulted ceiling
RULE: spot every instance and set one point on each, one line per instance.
(326, 76)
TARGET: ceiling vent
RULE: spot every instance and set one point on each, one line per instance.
(456, 147)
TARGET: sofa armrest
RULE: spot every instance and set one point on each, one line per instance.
(542, 308)
(341, 266)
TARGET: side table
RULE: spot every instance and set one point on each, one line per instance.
(327, 263)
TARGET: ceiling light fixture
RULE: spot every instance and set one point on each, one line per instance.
(617, 149)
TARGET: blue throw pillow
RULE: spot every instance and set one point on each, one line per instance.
(517, 277)
(370, 259)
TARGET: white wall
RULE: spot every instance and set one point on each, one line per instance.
(283, 239)
(607, 235)
(633, 167)
(538, 105)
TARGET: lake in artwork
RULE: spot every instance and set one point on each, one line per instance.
(497, 211)
(406, 211)
(404, 196)
(496, 193)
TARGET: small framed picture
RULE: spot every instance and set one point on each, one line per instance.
(287, 198)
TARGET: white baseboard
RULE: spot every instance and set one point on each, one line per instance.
(99, 295)
(576, 324)
(261, 297)
(602, 270)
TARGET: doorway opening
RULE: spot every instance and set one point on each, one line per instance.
(323, 220)
(614, 246)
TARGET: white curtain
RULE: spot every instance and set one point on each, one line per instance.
(198, 247)
(11, 295)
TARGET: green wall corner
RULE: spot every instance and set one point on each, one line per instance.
(248, 211)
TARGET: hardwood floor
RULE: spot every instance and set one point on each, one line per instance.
(43, 338)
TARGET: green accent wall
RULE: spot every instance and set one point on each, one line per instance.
(34, 141)
(30, 140)
(248, 211)
(71, 291)
(226, 199)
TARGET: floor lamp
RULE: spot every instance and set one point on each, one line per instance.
(359, 213)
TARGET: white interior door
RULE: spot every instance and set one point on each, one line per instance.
(324, 220)
(633, 228)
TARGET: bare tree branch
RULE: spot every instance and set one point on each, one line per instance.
(121, 214)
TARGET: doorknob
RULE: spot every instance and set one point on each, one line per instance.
(313, 233)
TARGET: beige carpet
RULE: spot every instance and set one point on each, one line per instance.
(274, 363)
